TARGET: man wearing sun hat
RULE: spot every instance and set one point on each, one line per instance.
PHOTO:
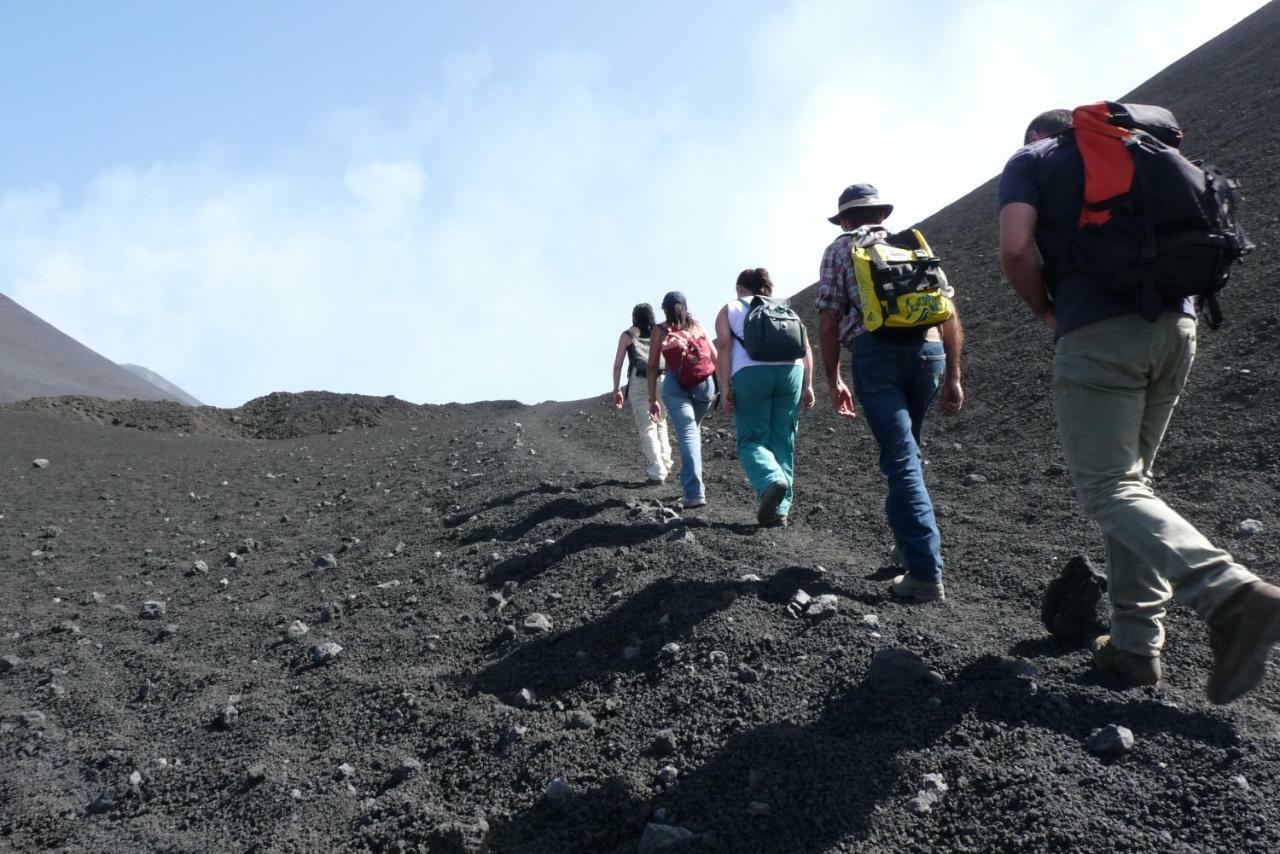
(896, 374)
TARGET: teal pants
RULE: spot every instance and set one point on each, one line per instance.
(766, 412)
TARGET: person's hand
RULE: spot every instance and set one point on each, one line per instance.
(807, 399)
(655, 412)
(842, 399)
(617, 398)
(952, 396)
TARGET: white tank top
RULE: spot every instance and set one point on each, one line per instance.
(737, 311)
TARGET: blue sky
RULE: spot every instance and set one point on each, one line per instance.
(456, 202)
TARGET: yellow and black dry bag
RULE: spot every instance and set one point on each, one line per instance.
(900, 282)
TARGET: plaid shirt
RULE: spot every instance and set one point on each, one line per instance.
(838, 285)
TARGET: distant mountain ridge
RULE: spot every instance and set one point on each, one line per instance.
(150, 376)
(39, 360)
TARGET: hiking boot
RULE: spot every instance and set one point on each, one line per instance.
(1241, 634)
(1128, 668)
(777, 522)
(655, 481)
(769, 501)
(914, 590)
(895, 558)
(690, 503)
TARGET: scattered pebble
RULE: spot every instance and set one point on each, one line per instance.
(200, 568)
(668, 774)
(871, 621)
(1111, 740)
(536, 624)
(975, 478)
(580, 719)
(227, 717)
(325, 561)
(255, 773)
(670, 650)
(663, 837)
(933, 790)
(408, 767)
(664, 743)
(345, 771)
(296, 630)
(826, 605)
(323, 653)
(1249, 527)
(40, 463)
(152, 610)
(718, 658)
(523, 699)
(558, 791)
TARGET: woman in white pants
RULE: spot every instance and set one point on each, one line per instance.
(633, 345)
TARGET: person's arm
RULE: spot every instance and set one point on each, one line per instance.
(829, 344)
(1021, 261)
(623, 343)
(953, 346)
(807, 397)
(724, 358)
(651, 372)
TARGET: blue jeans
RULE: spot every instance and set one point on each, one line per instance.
(895, 380)
(685, 408)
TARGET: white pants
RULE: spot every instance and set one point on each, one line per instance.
(654, 441)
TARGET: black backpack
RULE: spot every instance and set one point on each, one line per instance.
(772, 332)
(1155, 225)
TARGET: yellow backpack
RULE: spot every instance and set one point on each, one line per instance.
(900, 286)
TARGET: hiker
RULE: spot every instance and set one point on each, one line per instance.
(899, 361)
(687, 388)
(633, 345)
(1118, 370)
(763, 389)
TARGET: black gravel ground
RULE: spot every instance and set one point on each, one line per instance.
(758, 730)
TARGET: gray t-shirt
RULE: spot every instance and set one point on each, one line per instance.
(1049, 176)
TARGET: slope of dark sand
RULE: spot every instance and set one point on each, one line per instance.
(172, 391)
(38, 360)
(787, 739)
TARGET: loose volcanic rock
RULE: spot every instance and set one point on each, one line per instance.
(663, 837)
(826, 605)
(510, 737)
(523, 699)
(1111, 740)
(1073, 609)
(40, 463)
(871, 621)
(344, 771)
(324, 653)
(668, 774)
(226, 717)
(664, 742)
(109, 799)
(580, 719)
(670, 650)
(975, 478)
(747, 675)
(296, 630)
(1249, 527)
(933, 790)
(896, 668)
(9, 662)
(325, 561)
(200, 568)
(255, 773)
(409, 767)
(152, 610)
(558, 791)
(537, 624)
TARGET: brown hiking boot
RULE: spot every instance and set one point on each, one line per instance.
(1241, 635)
(913, 590)
(769, 501)
(1128, 668)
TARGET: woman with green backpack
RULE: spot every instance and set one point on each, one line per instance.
(766, 374)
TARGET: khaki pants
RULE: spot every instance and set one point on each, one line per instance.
(1115, 384)
(654, 442)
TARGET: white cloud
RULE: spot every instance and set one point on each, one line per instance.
(489, 240)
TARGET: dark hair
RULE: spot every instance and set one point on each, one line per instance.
(1047, 123)
(757, 281)
(858, 217)
(642, 319)
(678, 316)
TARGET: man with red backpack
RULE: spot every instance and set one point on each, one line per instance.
(1090, 241)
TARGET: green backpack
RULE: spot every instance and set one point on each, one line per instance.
(772, 332)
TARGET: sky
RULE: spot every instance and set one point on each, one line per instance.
(461, 202)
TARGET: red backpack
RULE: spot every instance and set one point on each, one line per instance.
(688, 357)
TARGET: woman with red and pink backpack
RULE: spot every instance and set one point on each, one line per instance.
(687, 389)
